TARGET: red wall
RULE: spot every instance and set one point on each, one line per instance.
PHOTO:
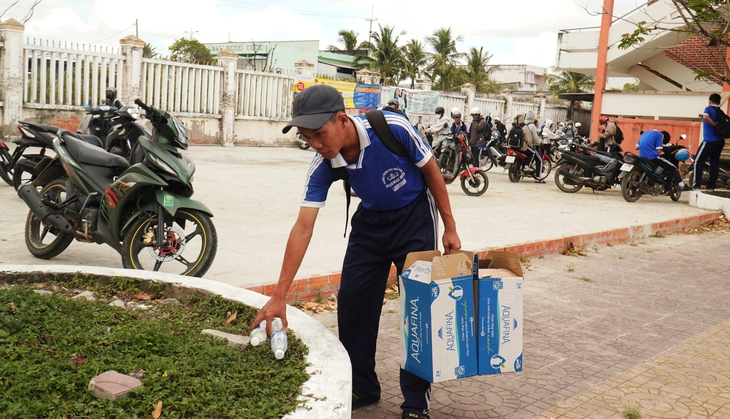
(632, 127)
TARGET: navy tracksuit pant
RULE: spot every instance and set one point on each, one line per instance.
(708, 151)
(377, 239)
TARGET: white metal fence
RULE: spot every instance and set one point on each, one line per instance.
(556, 113)
(67, 76)
(181, 87)
(523, 107)
(263, 95)
(492, 107)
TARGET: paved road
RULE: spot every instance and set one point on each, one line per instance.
(642, 326)
(255, 194)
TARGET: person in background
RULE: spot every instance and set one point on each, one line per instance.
(458, 125)
(499, 126)
(384, 229)
(477, 132)
(570, 132)
(649, 145)
(440, 127)
(111, 98)
(532, 140)
(394, 106)
(606, 140)
(711, 146)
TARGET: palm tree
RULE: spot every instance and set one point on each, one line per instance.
(568, 82)
(415, 59)
(148, 51)
(476, 71)
(348, 39)
(445, 57)
(387, 56)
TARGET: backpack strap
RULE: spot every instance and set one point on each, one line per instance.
(377, 121)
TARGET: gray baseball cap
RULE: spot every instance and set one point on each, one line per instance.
(314, 106)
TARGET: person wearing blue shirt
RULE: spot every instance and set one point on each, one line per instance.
(649, 145)
(400, 200)
(458, 125)
(711, 146)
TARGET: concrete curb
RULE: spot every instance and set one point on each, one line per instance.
(704, 200)
(327, 393)
(323, 286)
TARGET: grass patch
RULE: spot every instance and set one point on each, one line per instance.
(52, 346)
(571, 268)
(632, 413)
(658, 235)
(586, 279)
(721, 194)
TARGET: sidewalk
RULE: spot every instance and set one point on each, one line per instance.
(642, 326)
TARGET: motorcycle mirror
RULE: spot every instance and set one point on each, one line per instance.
(86, 106)
(683, 136)
(446, 125)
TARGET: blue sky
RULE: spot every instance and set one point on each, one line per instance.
(523, 32)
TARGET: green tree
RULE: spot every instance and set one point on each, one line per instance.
(349, 40)
(445, 57)
(708, 19)
(190, 51)
(415, 59)
(149, 51)
(568, 82)
(387, 56)
(476, 71)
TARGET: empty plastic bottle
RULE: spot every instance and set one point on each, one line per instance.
(258, 335)
(278, 339)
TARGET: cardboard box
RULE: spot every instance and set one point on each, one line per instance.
(498, 288)
(438, 340)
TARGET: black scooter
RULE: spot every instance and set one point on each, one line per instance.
(580, 166)
(640, 176)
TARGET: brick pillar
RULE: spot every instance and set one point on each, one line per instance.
(12, 74)
(131, 88)
(229, 61)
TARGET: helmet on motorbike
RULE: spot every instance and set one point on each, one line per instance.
(456, 114)
(455, 110)
(111, 93)
(682, 155)
(440, 110)
(496, 118)
(666, 138)
(603, 119)
(476, 111)
(577, 124)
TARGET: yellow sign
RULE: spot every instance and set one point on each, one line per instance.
(346, 89)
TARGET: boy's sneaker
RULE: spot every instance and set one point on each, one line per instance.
(412, 415)
(686, 188)
(360, 399)
(528, 169)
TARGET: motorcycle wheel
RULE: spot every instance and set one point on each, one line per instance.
(676, 192)
(515, 172)
(303, 145)
(475, 186)
(547, 166)
(24, 172)
(5, 162)
(485, 162)
(565, 184)
(630, 186)
(190, 231)
(42, 240)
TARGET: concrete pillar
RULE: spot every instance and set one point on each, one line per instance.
(601, 67)
(470, 91)
(229, 61)
(542, 101)
(423, 84)
(304, 70)
(509, 115)
(12, 74)
(367, 76)
(131, 88)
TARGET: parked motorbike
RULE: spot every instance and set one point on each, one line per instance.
(515, 163)
(118, 131)
(580, 166)
(455, 160)
(301, 143)
(723, 176)
(640, 176)
(143, 211)
(97, 121)
(492, 153)
(20, 166)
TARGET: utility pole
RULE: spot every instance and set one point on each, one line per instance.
(192, 33)
(136, 28)
(370, 32)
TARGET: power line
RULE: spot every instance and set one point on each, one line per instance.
(102, 40)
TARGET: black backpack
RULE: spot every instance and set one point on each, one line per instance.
(378, 123)
(619, 136)
(722, 126)
(516, 137)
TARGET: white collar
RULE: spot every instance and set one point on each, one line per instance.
(362, 135)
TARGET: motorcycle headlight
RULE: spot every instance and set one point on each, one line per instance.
(161, 164)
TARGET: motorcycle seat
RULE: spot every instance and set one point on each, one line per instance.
(43, 127)
(96, 156)
(91, 139)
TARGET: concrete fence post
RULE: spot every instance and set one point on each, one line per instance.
(229, 61)
(131, 88)
(541, 107)
(470, 91)
(12, 75)
(509, 114)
